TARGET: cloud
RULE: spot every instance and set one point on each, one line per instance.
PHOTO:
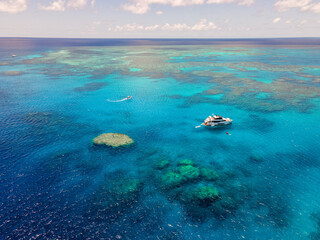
(303, 5)
(137, 8)
(175, 27)
(143, 6)
(276, 20)
(314, 7)
(159, 12)
(300, 24)
(55, 6)
(151, 28)
(284, 5)
(61, 5)
(240, 2)
(246, 2)
(203, 25)
(13, 6)
(134, 27)
(76, 4)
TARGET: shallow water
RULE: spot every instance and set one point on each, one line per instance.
(54, 183)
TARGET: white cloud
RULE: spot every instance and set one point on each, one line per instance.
(246, 2)
(220, 1)
(92, 3)
(203, 25)
(76, 4)
(159, 12)
(276, 20)
(301, 23)
(240, 2)
(303, 5)
(58, 5)
(61, 5)
(314, 7)
(151, 28)
(175, 27)
(133, 27)
(13, 6)
(288, 21)
(137, 8)
(143, 6)
(284, 5)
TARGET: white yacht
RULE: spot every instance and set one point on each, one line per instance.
(215, 120)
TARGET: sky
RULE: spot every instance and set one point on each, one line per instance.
(160, 18)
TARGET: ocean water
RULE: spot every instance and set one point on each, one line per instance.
(259, 182)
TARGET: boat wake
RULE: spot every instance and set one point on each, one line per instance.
(121, 100)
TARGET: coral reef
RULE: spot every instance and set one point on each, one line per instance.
(117, 189)
(126, 189)
(202, 191)
(171, 180)
(90, 87)
(241, 82)
(189, 172)
(315, 235)
(205, 194)
(185, 162)
(208, 174)
(162, 164)
(113, 140)
(11, 73)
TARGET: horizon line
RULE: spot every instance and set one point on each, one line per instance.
(254, 38)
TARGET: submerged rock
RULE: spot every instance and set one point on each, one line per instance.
(12, 73)
(199, 201)
(189, 172)
(162, 164)
(206, 194)
(90, 87)
(113, 139)
(126, 189)
(208, 174)
(185, 162)
(171, 180)
(256, 159)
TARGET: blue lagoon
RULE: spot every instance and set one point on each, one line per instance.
(174, 181)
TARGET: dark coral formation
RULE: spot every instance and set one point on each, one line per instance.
(315, 235)
(90, 87)
(202, 191)
(162, 164)
(11, 73)
(118, 189)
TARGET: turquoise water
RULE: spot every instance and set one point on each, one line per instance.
(55, 184)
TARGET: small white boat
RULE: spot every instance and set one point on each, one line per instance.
(215, 120)
(13, 55)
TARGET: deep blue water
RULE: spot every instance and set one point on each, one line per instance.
(55, 184)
